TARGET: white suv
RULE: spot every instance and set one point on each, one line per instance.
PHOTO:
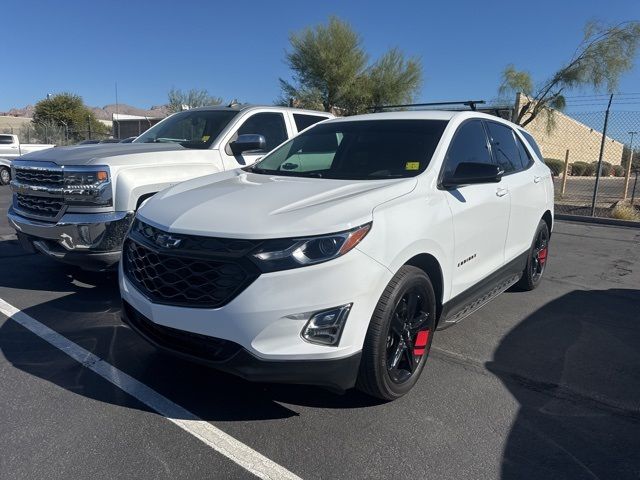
(334, 259)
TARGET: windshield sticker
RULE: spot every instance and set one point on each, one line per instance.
(205, 138)
(412, 166)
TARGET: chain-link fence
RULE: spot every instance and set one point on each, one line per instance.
(595, 159)
(50, 133)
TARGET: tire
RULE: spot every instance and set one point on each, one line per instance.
(5, 176)
(377, 376)
(536, 260)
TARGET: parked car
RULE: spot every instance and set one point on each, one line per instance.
(333, 260)
(76, 203)
(10, 148)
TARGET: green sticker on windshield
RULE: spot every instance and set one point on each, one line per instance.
(412, 166)
(205, 138)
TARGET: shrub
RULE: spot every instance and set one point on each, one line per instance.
(618, 171)
(556, 166)
(582, 169)
(607, 169)
(625, 211)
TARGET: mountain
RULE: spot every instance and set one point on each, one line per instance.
(101, 113)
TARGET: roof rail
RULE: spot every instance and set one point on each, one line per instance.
(469, 103)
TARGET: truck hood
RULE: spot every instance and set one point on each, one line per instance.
(237, 204)
(101, 154)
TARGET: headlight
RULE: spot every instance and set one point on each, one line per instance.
(87, 186)
(288, 253)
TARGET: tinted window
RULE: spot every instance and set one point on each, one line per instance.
(533, 143)
(373, 149)
(525, 157)
(191, 129)
(469, 145)
(270, 125)
(6, 140)
(504, 148)
(303, 121)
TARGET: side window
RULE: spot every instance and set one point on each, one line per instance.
(6, 139)
(504, 148)
(532, 143)
(268, 124)
(525, 157)
(304, 121)
(469, 144)
(315, 153)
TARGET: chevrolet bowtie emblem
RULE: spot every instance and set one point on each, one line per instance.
(165, 240)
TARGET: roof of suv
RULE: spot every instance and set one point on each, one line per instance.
(241, 107)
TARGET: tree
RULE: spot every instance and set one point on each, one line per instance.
(331, 72)
(626, 155)
(178, 99)
(66, 112)
(602, 57)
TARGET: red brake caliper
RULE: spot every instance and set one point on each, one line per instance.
(542, 256)
(421, 342)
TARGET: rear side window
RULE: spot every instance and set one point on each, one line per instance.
(504, 148)
(468, 145)
(304, 121)
(532, 142)
(6, 139)
(525, 156)
(268, 124)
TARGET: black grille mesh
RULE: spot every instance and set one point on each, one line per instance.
(40, 177)
(176, 279)
(39, 206)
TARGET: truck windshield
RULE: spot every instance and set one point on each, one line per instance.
(191, 129)
(356, 150)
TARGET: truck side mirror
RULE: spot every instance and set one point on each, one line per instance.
(248, 142)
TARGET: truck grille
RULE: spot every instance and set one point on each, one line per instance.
(41, 207)
(40, 177)
(180, 278)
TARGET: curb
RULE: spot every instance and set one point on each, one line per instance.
(597, 220)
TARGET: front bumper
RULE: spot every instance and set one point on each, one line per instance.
(89, 240)
(265, 321)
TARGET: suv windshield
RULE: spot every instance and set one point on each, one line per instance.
(357, 150)
(191, 129)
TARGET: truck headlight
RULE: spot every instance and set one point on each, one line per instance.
(87, 186)
(283, 254)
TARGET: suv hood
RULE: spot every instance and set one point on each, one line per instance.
(97, 154)
(239, 204)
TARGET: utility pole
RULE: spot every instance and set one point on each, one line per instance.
(628, 172)
(89, 126)
(599, 170)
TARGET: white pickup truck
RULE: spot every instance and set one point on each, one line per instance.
(10, 148)
(75, 204)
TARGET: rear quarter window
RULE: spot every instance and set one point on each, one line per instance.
(6, 139)
(304, 120)
(529, 138)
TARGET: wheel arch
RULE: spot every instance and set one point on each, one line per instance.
(548, 218)
(430, 265)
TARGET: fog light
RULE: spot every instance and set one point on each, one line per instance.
(326, 327)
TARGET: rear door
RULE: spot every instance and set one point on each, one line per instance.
(480, 212)
(526, 188)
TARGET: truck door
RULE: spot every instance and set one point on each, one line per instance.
(271, 125)
(9, 146)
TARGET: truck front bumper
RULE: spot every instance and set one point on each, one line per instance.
(92, 241)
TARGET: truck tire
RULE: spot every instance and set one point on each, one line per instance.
(399, 337)
(5, 175)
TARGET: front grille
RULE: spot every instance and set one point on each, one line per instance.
(45, 207)
(193, 344)
(183, 279)
(39, 176)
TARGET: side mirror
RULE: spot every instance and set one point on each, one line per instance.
(247, 142)
(468, 173)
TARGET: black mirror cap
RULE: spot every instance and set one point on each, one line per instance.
(469, 173)
(247, 142)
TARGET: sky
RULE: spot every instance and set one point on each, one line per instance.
(236, 49)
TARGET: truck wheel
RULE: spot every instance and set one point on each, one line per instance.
(399, 337)
(5, 176)
(537, 260)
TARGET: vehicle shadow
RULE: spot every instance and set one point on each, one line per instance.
(574, 368)
(85, 308)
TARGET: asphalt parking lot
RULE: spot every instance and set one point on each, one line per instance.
(543, 384)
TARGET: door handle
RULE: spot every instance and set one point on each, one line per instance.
(537, 179)
(501, 192)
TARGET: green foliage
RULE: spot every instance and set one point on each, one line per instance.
(556, 166)
(635, 165)
(582, 169)
(602, 57)
(190, 99)
(607, 169)
(331, 72)
(618, 171)
(68, 118)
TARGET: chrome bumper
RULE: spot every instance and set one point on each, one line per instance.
(77, 238)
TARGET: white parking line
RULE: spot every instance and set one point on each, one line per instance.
(245, 456)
